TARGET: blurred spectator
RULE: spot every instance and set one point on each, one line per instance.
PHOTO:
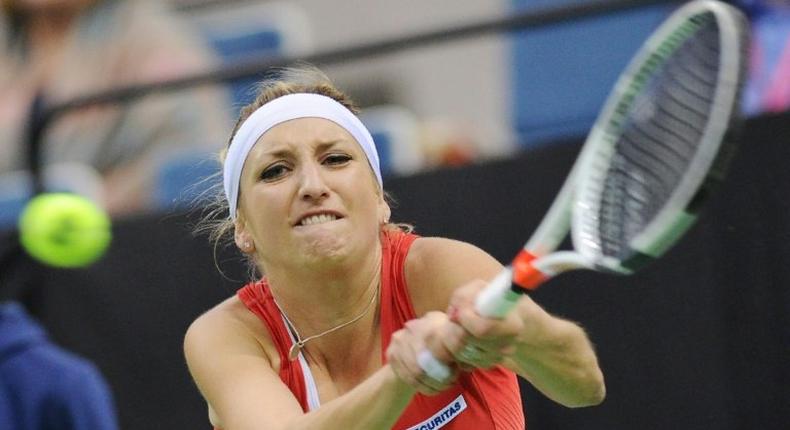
(43, 386)
(68, 48)
(448, 142)
(768, 88)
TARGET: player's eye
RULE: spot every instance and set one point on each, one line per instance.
(336, 159)
(274, 172)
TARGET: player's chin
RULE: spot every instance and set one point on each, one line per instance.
(321, 233)
(325, 248)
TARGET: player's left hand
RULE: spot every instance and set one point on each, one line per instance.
(486, 342)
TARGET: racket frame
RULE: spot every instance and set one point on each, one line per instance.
(679, 212)
(537, 262)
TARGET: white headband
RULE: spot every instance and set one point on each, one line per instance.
(286, 108)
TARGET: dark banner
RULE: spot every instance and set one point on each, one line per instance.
(699, 339)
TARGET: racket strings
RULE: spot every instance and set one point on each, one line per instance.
(658, 140)
(656, 132)
(671, 121)
(648, 161)
(684, 99)
(693, 80)
(703, 54)
(692, 83)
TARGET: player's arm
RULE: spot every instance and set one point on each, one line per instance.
(244, 392)
(553, 354)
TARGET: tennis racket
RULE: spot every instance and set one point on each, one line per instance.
(659, 146)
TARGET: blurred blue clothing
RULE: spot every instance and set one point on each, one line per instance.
(43, 386)
(768, 86)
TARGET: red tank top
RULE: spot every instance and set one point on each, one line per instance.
(483, 399)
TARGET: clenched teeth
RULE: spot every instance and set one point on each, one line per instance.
(318, 219)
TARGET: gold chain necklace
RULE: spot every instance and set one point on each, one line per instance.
(297, 347)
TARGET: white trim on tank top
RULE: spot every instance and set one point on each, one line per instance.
(313, 401)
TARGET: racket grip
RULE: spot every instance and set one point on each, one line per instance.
(499, 297)
(432, 367)
(495, 301)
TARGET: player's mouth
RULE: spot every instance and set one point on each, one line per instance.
(317, 218)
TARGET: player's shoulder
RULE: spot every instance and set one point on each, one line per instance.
(435, 253)
(436, 266)
(223, 315)
(229, 326)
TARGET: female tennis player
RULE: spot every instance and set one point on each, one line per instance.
(331, 335)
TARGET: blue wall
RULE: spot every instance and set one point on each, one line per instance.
(563, 73)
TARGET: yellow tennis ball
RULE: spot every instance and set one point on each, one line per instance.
(64, 230)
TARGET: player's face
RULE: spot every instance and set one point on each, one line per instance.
(308, 196)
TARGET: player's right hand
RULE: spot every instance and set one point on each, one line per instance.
(419, 335)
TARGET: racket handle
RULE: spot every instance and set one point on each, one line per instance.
(495, 301)
(499, 297)
(434, 368)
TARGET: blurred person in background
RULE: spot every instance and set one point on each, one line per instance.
(43, 386)
(63, 49)
(768, 87)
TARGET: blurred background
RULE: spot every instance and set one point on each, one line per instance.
(476, 133)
